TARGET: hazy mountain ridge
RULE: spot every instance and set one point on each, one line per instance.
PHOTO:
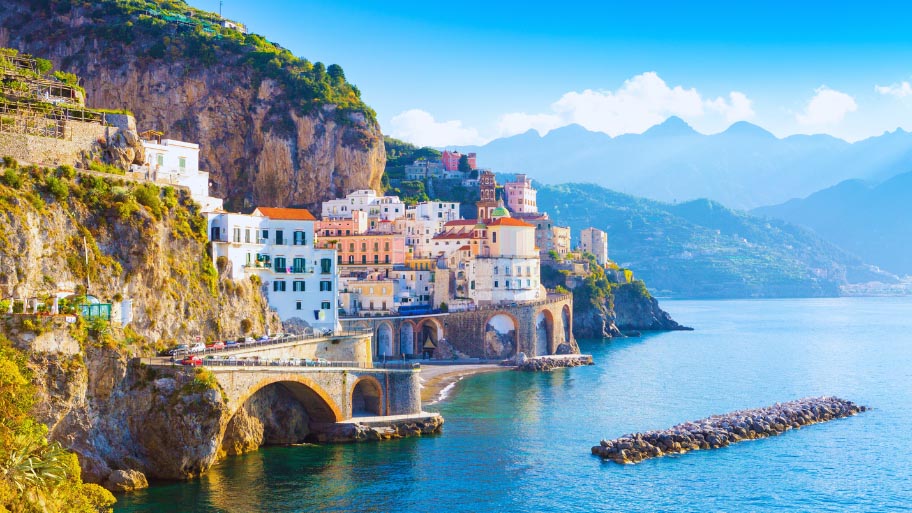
(701, 249)
(869, 220)
(743, 167)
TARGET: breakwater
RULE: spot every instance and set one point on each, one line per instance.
(551, 362)
(721, 430)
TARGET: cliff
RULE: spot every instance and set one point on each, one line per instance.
(144, 244)
(273, 129)
(603, 308)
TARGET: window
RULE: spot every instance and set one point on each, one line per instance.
(471, 285)
(265, 234)
(351, 259)
(376, 246)
(279, 238)
(496, 284)
(237, 235)
(351, 247)
(348, 232)
(495, 270)
(326, 286)
(339, 261)
(326, 265)
(386, 259)
(278, 286)
(363, 246)
(298, 286)
(160, 160)
(280, 266)
(298, 305)
(247, 235)
(298, 265)
(325, 305)
(215, 233)
(182, 163)
(363, 259)
(299, 239)
(493, 236)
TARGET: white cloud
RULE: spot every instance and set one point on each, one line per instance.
(641, 102)
(738, 108)
(420, 128)
(827, 107)
(900, 90)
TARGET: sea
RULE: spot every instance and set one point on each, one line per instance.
(517, 441)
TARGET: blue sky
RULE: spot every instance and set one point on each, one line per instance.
(444, 73)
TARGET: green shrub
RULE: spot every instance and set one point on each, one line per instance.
(10, 162)
(147, 195)
(57, 188)
(12, 178)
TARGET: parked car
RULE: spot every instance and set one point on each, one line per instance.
(264, 338)
(178, 349)
(195, 348)
(217, 345)
(192, 360)
(322, 361)
(249, 340)
(232, 343)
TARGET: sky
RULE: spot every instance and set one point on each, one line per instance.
(459, 73)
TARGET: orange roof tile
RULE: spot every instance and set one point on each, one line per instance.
(289, 214)
(509, 221)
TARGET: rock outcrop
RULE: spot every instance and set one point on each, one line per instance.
(353, 432)
(263, 139)
(551, 362)
(634, 311)
(722, 430)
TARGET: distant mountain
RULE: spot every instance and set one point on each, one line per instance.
(701, 249)
(743, 167)
(872, 221)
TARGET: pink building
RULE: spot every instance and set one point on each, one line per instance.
(450, 160)
(356, 225)
(521, 197)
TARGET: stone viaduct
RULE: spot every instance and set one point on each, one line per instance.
(535, 328)
(330, 394)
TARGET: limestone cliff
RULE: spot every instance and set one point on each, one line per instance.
(273, 129)
(603, 308)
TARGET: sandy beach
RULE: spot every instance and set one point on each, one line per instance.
(438, 380)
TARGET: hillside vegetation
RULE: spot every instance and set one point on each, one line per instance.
(701, 249)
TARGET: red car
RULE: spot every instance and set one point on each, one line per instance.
(217, 345)
(192, 360)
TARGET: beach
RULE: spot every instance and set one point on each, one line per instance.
(438, 380)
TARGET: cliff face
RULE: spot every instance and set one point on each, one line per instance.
(257, 141)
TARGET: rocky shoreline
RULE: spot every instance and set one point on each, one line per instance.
(549, 363)
(354, 432)
(721, 430)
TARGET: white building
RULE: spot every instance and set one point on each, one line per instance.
(595, 241)
(423, 169)
(440, 211)
(277, 244)
(507, 269)
(386, 208)
(176, 163)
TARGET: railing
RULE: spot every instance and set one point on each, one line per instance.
(280, 340)
(305, 363)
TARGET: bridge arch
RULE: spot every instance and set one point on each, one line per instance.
(429, 328)
(318, 404)
(544, 333)
(367, 397)
(407, 337)
(384, 339)
(501, 335)
(567, 320)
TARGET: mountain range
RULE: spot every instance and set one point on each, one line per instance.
(743, 167)
(701, 249)
(869, 220)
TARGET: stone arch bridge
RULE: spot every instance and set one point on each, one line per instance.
(330, 394)
(535, 328)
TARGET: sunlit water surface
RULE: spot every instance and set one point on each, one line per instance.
(520, 442)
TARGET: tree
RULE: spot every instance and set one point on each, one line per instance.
(336, 74)
(464, 164)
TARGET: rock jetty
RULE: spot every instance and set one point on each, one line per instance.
(722, 430)
(551, 362)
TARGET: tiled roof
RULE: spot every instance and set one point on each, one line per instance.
(509, 221)
(288, 214)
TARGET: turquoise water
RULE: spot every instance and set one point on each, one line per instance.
(520, 442)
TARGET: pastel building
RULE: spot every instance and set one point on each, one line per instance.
(365, 200)
(173, 162)
(507, 270)
(595, 241)
(450, 160)
(299, 280)
(548, 236)
(521, 197)
(367, 250)
(422, 169)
